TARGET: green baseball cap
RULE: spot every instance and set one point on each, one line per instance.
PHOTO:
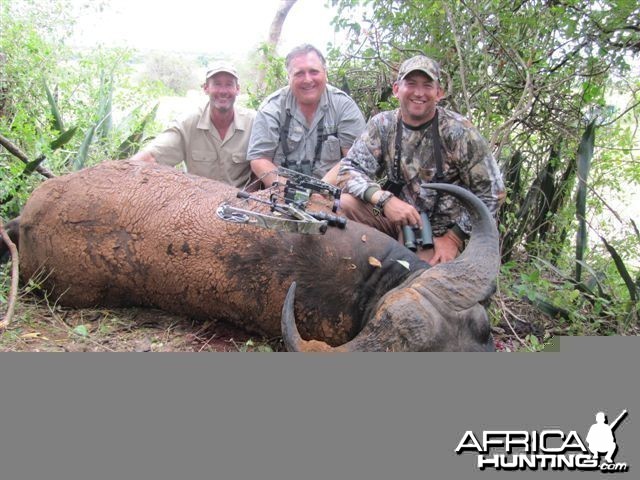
(421, 63)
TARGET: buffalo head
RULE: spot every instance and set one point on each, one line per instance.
(437, 309)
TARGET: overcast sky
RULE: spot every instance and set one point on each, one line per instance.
(234, 26)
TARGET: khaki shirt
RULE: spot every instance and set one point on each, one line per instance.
(341, 119)
(195, 141)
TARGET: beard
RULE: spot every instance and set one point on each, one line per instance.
(223, 105)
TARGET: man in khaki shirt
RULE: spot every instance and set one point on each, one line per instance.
(212, 142)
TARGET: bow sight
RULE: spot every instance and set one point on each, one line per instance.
(300, 187)
(291, 215)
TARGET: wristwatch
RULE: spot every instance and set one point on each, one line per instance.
(378, 208)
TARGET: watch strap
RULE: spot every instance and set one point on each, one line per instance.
(383, 198)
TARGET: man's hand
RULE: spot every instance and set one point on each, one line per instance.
(401, 213)
(446, 248)
(143, 156)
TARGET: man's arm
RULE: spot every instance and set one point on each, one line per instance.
(357, 170)
(264, 141)
(143, 156)
(350, 124)
(396, 210)
(170, 146)
(332, 175)
(262, 168)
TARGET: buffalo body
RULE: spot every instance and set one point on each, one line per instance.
(133, 234)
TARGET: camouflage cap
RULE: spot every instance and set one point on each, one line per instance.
(221, 67)
(422, 63)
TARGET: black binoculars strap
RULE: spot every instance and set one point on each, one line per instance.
(398, 154)
(284, 135)
(437, 153)
(319, 140)
(437, 149)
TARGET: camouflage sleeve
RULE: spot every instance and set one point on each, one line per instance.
(479, 171)
(365, 161)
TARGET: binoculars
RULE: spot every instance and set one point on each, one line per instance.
(414, 237)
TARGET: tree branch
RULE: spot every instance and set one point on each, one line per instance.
(524, 104)
(16, 152)
(274, 34)
(622, 114)
(456, 41)
(13, 292)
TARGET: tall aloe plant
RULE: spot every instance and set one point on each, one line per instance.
(105, 105)
(83, 153)
(102, 127)
(132, 143)
(58, 122)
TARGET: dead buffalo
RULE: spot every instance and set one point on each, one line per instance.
(133, 234)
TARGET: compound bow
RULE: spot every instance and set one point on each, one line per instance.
(287, 201)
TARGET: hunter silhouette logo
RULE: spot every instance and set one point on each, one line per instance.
(600, 437)
(548, 449)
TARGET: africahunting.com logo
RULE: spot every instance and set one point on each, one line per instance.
(548, 449)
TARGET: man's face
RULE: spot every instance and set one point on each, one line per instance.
(418, 94)
(222, 89)
(307, 78)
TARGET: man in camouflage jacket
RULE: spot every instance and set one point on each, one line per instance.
(407, 159)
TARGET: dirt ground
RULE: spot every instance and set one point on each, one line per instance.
(40, 327)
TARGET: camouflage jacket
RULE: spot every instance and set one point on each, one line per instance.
(466, 157)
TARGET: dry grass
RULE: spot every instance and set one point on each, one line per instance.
(41, 327)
